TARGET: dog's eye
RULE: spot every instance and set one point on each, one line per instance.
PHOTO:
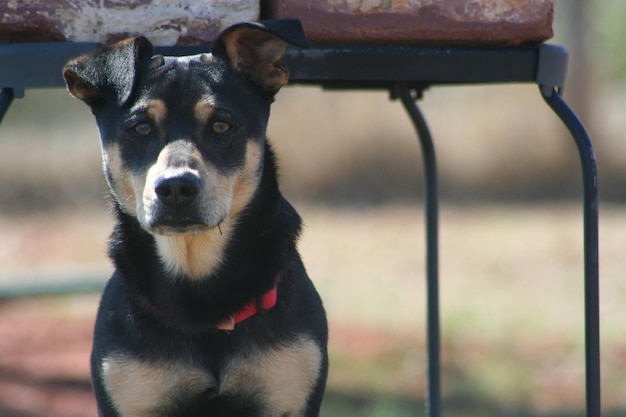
(143, 128)
(220, 126)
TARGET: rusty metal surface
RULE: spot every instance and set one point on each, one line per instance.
(164, 22)
(471, 22)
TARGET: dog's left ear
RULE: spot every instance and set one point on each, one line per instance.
(108, 74)
(256, 49)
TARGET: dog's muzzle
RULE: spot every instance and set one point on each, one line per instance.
(179, 191)
(178, 208)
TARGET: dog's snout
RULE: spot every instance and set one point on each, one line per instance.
(178, 191)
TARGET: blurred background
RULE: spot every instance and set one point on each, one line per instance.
(511, 239)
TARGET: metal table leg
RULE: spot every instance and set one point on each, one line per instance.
(433, 397)
(6, 98)
(591, 258)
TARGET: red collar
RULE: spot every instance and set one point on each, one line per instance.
(260, 305)
(257, 306)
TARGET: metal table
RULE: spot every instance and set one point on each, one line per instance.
(404, 71)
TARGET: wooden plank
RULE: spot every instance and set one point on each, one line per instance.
(164, 22)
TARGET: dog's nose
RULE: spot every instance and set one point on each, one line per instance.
(178, 191)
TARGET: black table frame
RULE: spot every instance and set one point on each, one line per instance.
(404, 71)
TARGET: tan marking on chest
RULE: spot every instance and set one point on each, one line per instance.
(140, 389)
(282, 377)
(192, 255)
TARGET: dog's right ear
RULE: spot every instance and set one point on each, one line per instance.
(256, 50)
(108, 74)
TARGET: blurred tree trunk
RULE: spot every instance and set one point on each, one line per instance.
(574, 21)
(579, 91)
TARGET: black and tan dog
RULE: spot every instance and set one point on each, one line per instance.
(210, 311)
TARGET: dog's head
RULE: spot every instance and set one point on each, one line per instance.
(183, 137)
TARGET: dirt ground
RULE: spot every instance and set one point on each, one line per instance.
(44, 365)
(511, 306)
(45, 345)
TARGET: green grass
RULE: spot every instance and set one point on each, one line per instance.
(340, 404)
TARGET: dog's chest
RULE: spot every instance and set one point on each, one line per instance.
(277, 382)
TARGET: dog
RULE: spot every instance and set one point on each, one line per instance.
(209, 311)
